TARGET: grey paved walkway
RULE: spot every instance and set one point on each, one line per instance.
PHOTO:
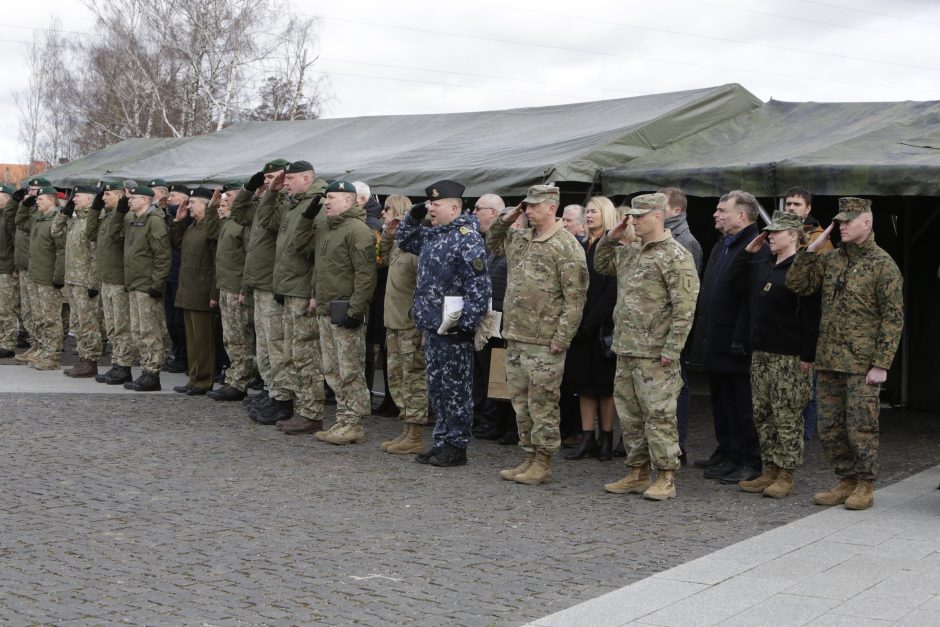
(836, 567)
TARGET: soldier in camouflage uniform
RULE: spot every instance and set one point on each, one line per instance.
(344, 271)
(24, 219)
(862, 318)
(545, 293)
(146, 265)
(81, 280)
(9, 290)
(783, 338)
(237, 331)
(407, 375)
(657, 286)
(451, 262)
(46, 278)
(105, 226)
(258, 285)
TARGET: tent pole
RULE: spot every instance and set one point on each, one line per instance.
(905, 336)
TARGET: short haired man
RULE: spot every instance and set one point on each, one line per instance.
(862, 319)
(344, 278)
(657, 284)
(799, 201)
(81, 280)
(146, 265)
(486, 209)
(161, 193)
(451, 262)
(574, 219)
(545, 293)
(723, 328)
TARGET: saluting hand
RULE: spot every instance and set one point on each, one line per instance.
(821, 240)
(757, 243)
(182, 212)
(619, 229)
(277, 183)
(513, 214)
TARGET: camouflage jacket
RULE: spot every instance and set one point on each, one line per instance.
(862, 305)
(80, 253)
(345, 261)
(451, 262)
(657, 287)
(400, 285)
(546, 285)
(106, 229)
(45, 251)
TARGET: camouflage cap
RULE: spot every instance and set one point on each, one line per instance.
(644, 203)
(140, 190)
(39, 181)
(340, 185)
(784, 221)
(851, 207)
(540, 193)
(157, 182)
(275, 165)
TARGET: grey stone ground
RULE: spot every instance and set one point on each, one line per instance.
(174, 510)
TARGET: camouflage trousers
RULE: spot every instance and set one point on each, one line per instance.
(302, 358)
(117, 323)
(27, 297)
(47, 320)
(344, 356)
(148, 329)
(407, 374)
(780, 392)
(450, 388)
(645, 394)
(238, 339)
(269, 343)
(533, 376)
(848, 425)
(83, 322)
(9, 295)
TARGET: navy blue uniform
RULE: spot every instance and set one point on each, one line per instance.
(451, 262)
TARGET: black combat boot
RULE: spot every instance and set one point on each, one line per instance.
(119, 375)
(449, 456)
(148, 381)
(270, 414)
(103, 378)
(252, 400)
(226, 393)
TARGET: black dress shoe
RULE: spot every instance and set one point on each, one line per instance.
(197, 391)
(425, 457)
(716, 458)
(6, 352)
(182, 389)
(720, 470)
(448, 457)
(741, 473)
(227, 393)
(177, 366)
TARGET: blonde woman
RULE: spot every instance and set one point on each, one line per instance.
(589, 367)
(407, 380)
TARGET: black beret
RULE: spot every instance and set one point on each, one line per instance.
(299, 166)
(85, 189)
(201, 192)
(444, 189)
(176, 187)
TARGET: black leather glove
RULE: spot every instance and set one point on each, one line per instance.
(738, 348)
(19, 194)
(279, 299)
(92, 292)
(124, 205)
(58, 286)
(69, 208)
(155, 293)
(256, 181)
(314, 208)
(463, 336)
(351, 322)
(419, 210)
(29, 201)
(98, 203)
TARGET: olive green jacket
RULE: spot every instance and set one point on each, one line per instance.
(230, 255)
(146, 251)
(345, 261)
(197, 243)
(260, 249)
(80, 253)
(46, 251)
(25, 217)
(294, 259)
(8, 237)
(862, 305)
(106, 229)
(400, 285)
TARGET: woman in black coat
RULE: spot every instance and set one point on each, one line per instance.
(589, 365)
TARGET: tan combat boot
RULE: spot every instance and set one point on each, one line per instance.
(838, 494)
(342, 434)
(26, 355)
(40, 363)
(398, 438)
(862, 497)
(539, 471)
(510, 473)
(782, 486)
(757, 485)
(635, 482)
(664, 487)
(412, 443)
(84, 369)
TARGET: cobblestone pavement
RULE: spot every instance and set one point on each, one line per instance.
(182, 511)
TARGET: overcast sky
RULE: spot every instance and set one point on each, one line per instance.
(463, 55)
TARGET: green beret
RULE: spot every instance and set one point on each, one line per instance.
(85, 189)
(850, 208)
(47, 189)
(140, 190)
(275, 166)
(784, 221)
(110, 186)
(228, 187)
(157, 182)
(39, 182)
(341, 186)
(7, 189)
(644, 203)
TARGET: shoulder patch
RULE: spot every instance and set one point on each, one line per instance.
(465, 230)
(478, 263)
